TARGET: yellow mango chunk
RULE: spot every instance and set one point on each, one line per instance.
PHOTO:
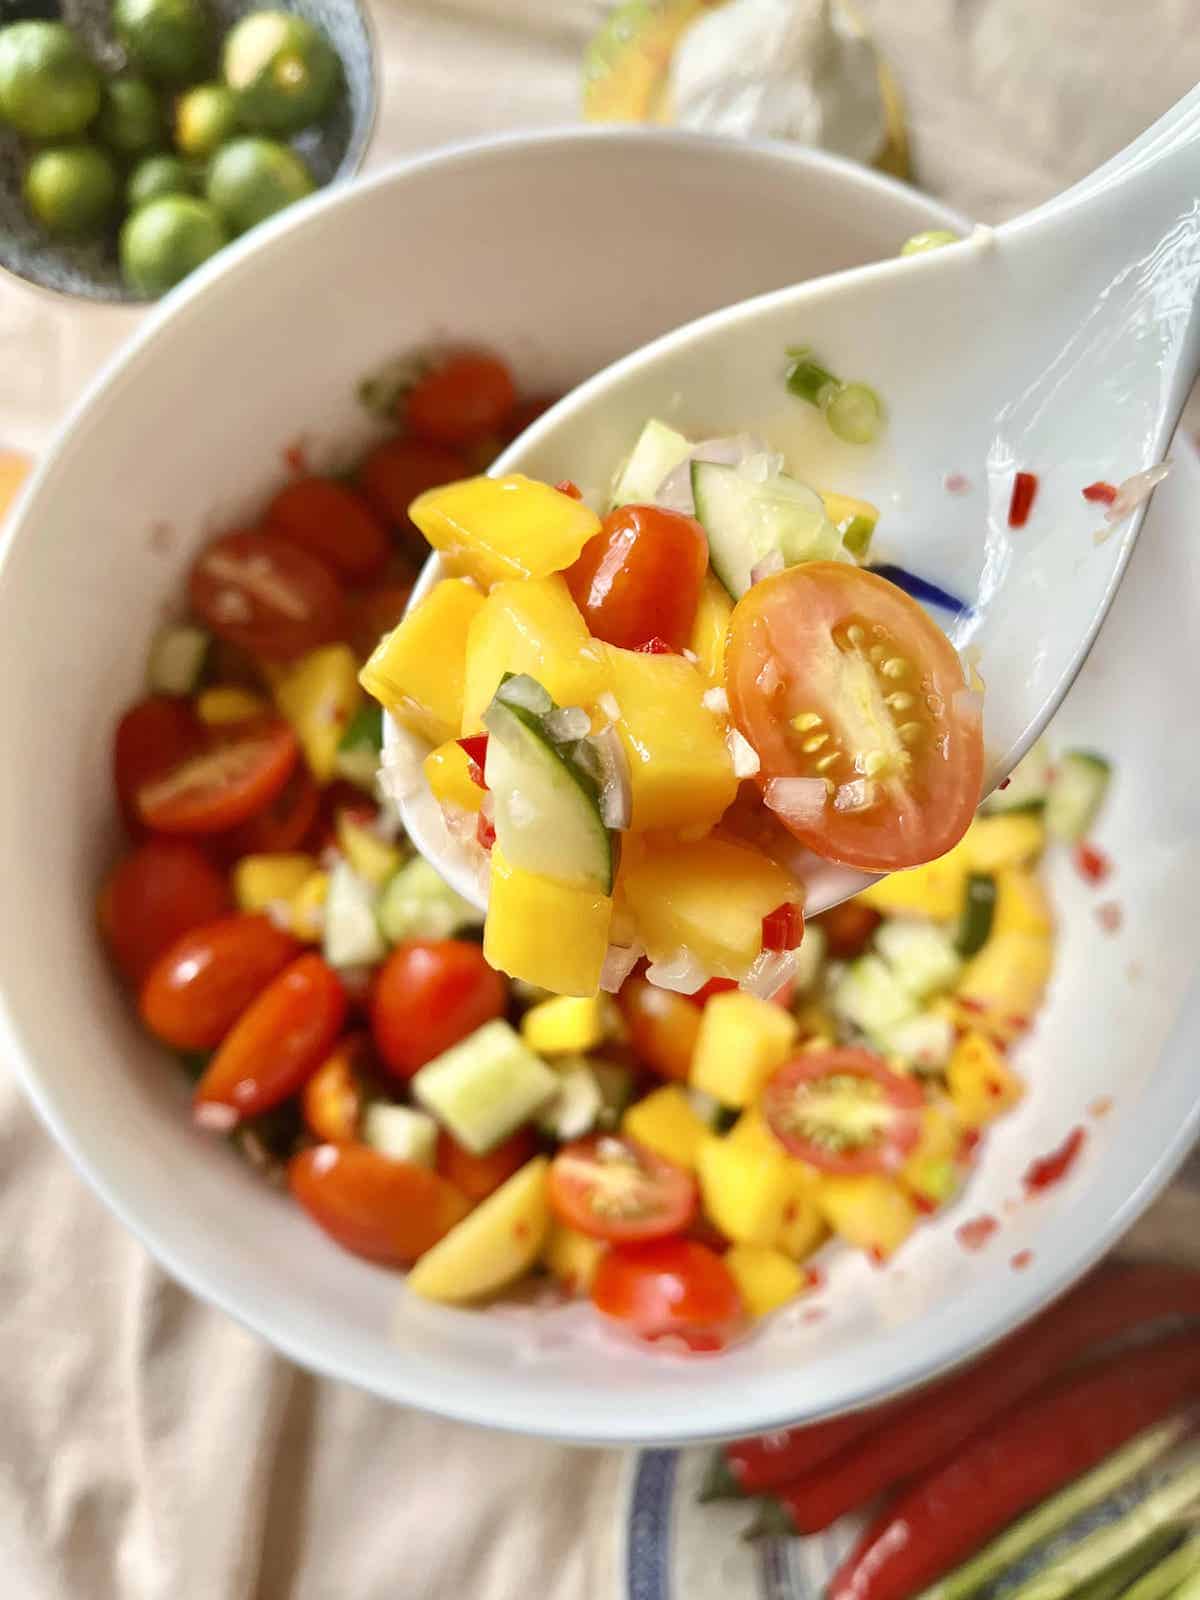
(982, 1084)
(1002, 986)
(565, 1025)
(868, 1211)
(935, 890)
(572, 1257)
(373, 858)
(319, 696)
(803, 1229)
(1022, 905)
(268, 880)
(226, 703)
(741, 1041)
(447, 772)
(490, 529)
(766, 1278)
(545, 933)
(710, 629)
(745, 1190)
(1011, 840)
(494, 1245)
(308, 908)
(933, 1173)
(666, 1122)
(709, 897)
(532, 627)
(417, 671)
(681, 771)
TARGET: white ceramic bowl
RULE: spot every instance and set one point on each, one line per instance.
(562, 250)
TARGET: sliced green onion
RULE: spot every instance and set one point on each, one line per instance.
(1163, 1579)
(806, 378)
(853, 411)
(1115, 1580)
(930, 239)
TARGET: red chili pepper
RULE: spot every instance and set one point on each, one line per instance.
(1025, 487)
(783, 928)
(485, 832)
(1052, 1169)
(1025, 1456)
(1094, 866)
(712, 987)
(929, 1428)
(569, 488)
(654, 647)
(776, 1458)
(975, 1233)
(475, 746)
(1101, 492)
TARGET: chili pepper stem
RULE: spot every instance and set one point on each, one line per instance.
(719, 1482)
(772, 1522)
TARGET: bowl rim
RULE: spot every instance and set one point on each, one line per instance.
(951, 1333)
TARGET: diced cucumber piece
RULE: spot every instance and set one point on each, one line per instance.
(746, 521)
(925, 1041)
(616, 1090)
(357, 758)
(978, 913)
(177, 656)
(576, 1107)
(1027, 786)
(484, 1088)
(871, 997)
(706, 1106)
(1081, 779)
(921, 955)
(417, 903)
(810, 958)
(351, 934)
(400, 1132)
(547, 806)
(659, 451)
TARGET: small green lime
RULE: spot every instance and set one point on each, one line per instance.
(284, 71)
(49, 87)
(165, 240)
(250, 179)
(131, 119)
(168, 39)
(205, 118)
(158, 175)
(72, 189)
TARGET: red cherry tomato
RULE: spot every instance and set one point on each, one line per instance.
(640, 577)
(332, 1099)
(284, 823)
(848, 928)
(204, 980)
(834, 673)
(662, 1027)
(266, 594)
(460, 400)
(150, 738)
(478, 1176)
(674, 1289)
(374, 612)
(388, 1211)
(232, 773)
(843, 1110)
(395, 473)
(334, 524)
(427, 996)
(151, 897)
(617, 1190)
(526, 412)
(277, 1042)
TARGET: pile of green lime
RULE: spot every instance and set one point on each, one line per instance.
(184, 148)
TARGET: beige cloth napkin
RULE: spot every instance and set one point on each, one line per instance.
(149, 1448)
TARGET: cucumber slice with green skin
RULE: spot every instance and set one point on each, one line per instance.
(924, 1042)
(576, 1107)
(657, 453)
(1081, 780)
(357, 758)
(484, 1088)
(351, 933)
(871, 997)
(979, 910)
(417, 903)
(747, 521)
(547, 806)
(921, 955)
(400, 1133)
(1028, 784)
(177, 658)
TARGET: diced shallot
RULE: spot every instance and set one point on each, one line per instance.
(715, 700)
(674, 493)
(858, 795)
(770, 972)
(619, 962)
(681, 972)
(616, 782)
(742, 753)
(1134, 490)
(770, 564)
(797, 800)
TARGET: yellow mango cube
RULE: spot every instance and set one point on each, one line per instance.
(933, 1172)
(512, 527)
(545, 933)
(308, 907)
(565, 1025)
(982, 1084)
(709, 897)
(1011, 840)
(1001, 987)
(447, 772)
(417, 671)
(494, 1245)
(681, 772)
(742, 1040)
(373, 858)
(1022, 904)
(936, 890)
(572, 1257)
(226, 703)
(666, 1122)
(766, 1278)
(804, 1229)
(710, 629)
(269, 880)
(745, 1190)
(532, 627)
(868, 1211)
(319, 695)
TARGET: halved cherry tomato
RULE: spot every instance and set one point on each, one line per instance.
(427, 996)
(848, 928)
(843, 1110)
(640, 577)
(332, 1099)
(478, 1176)
(150, 738)
(834, 673)
(670, 1289)
(231, 773)
(388, 1211)
(282, 825)
(333, 523)
(278, 1042)
(374, 612)
(662, 1027)
(205, 979)
(526, 412)
(395, 473)
(617, 1190)
(152, 896)
(266, 594)
(460, 400)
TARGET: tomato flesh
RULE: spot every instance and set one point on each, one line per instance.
(229, 775)
(334, 524)
(843, 1110)
(639, 578)
(836, 675)
(388, 1211)
(460, 400)
(617, 1190)
(205, 979)
(161, 890)
(150, 738)
(662, 1027)
(478, 1176)
(674, 1289)
(332, 1100)
(429, 995)
(267, 595)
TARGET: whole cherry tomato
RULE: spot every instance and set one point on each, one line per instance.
(670, 1289)
(266, 594)
(150, 738)
(461, 399)
(662, 1027)
(332, 522)
(153, 895)
(388, 1211)
(640, 577)
(229, 775)
(428, 995)
(478, 1176)
(205, 979)
(396, 472)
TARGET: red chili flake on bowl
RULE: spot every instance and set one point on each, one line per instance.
(1005, 784)
(1092, 864)
(1109, 916)
(1022, 1259)
(814, 1314)
(654, 647)
(485, 832)
(295, 457)
(968, 1143)
(1100, 493)
(814, 1278)
(974, 1234)
(1048, 1170)
(1101, 1106)
(956, 483)
(1024, 490)
(877, 1257)
(568, 488)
